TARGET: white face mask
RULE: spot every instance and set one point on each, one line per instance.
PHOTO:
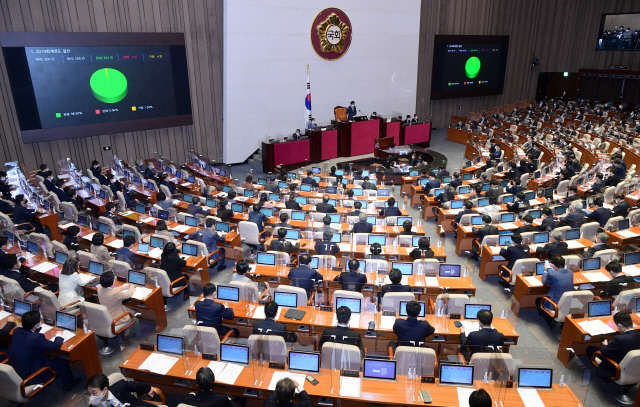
(95, 400)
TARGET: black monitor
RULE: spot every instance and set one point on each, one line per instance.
(32, 247)
(61, 258)
(403, 308)
(459, 375)
(623, 224)
(631, 258)
(141, 208)
(285, 299)
(471, 310)
(164, 215)
(572, 234)
(103, 228)
(137, 278)
(542, 237)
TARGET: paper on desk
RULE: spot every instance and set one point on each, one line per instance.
(463, 395)
(141, 293)
(344, 247)
(608, 206)
(387, 321)
(535, 247)
(148, 220)
(126, 213)
(66, 335)
(632, 271)
(530, 397)
(431, 282)
(217, 367)
(230, 373)
(596, 327)
(5, 314)
(44, 328)
(350, 386)
(533, 281)
(627, 234)
(596, 276)
(455, 211)
(470, 326)
(259, 313)
(533, 202)
(574, 244)
(156, 252)
(116, 244)
(181, 228)
(467, 229)
(67, 225)
(277, 376)
(159, 364)
(495, 250)
(509, 226)
(44, 267)
(89, 236)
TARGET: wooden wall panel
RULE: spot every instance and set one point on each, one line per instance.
(201, 23)
(562, 34)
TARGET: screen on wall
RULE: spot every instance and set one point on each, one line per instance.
(619, 32)
(83, 84)
(468, 65)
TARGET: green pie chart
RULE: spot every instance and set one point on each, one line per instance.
(108, 85)
(472, 67)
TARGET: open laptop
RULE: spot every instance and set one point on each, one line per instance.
(170, 344)
(354, 304)
(234, 353)
(537, 378)
(137, 278)
(403, 308)
(20, 307)
(96, 268)
(456, 375)
(228, 293)
(379, 369)
(61, 258)
(66, 321)
(471, 310)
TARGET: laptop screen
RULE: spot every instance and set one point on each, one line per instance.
(268, 212)
(541, 237)
(96, 268)
(450, 270)
(32, 247)
(331, 190)
(237, 207)
(535, 214)
(149, 186)
(467, 177)
(463, 190)
(631, 258)
(140, 208)
(336, 238)
(508, 199)
(164, 215)
(103, 228)
(416, 239)
(600, 308)
(456, 374)
(66, 321)
(267, 259)
(401, 219)
(20, 307)
(363, 203)
(222, 227)
(573, 234)
(189, 249)
(292, 234)
(357, 191)
(227, 188)
(143, 248)
(405, 268)
(335, 217)
(314, 263)
(157, 242)
(457, 204)
(530, 195)
(137, 278)
(591, 264)
(379, 369)
(476, 220)
(61, 257)
(536, 378)
(471, 310)
(190, 221)
(298, 215)
(305, 187)
(262, 181)
(381, 239)
(302, 200)
(249, 193)
(354, 304)
(504, 240)
(274, 197)
(286, 299)
(483, 202)
(383, 192)
(403, 308)
(126, 233)
(540, 268)
(234, 353)
(315, 170)
(372, 219)
(170, 344)
(623, 224)
(507, 217)
(228, 293)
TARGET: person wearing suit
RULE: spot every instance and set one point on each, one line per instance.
(424, 248)
(468, 209)
(351, 110)
(362, 226)
(325, 206)
(223, 212)
(599, 186)
(281, 244)
(411, 330)
(297, 135)
(549, 222)
(415, 118)
(600, 214)
(309, 180)
(206, 397)
(352, 280)
(27, 353)
(44, 168)
(555, 247)
(129, 195)
(195, 208)
(304, 276)
(12, 271)
(520, 204)
(613, 179)
(559, 280)
(210, 313)
(120, 393)
(406, 229)
(338, 334)
(312, 124)
(367, 184)
(325, 246)
(23, 215)
(486, 230)
(111, 213)
(269, 326)
(486, 336)
(495, 190)
(515, 251)
(621, 207)
(284, 394)
(431, 184)
(456, 182)
(112, 298)
(618, 280)
(619, 346)
(527, 227)
(326, 221)
(149, 172)
(391, 209)
(125, 254)
(576, 216)
(601, 244)
(257, 217)
(447, 195)
(396, 286)
(48, 181)
(292, 204)
(209, 237)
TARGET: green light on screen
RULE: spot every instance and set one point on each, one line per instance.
(472, 67)
(108, 85)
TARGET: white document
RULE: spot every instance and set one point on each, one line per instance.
(277, 376)
(217, 367)
(533, 202)
(125, 213)
(44, 267)
(67, 225)
(148, 219)
(116, 244)
(230, 373)
(574, 244)
(455, 211)
(431, 282)
(259, 313)
(156, 252)
(470, 326)
(467, 229)
(159, 364)
(344, 247)
(509, 226)
(495, 250)
(4, 314)
(534, 247)
(350, 386)
(463, 395)
(66, 335)
(596, 327)
(181, 228)
(608, 206)
(596, 277)
(627, 234)
(533, 281)
(89, 236)
(632, 271)
(530, 397)
(44, 328)
(387, 321)
(317, 225)
(141, 293)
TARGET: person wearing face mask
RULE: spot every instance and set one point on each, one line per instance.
(22, 215)
(5, 188)
(149, 173)
(27, 353)
(129, 195)
(297, 135)
(102, 394)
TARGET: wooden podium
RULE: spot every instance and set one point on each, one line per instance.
(383, 144)
(357, 138)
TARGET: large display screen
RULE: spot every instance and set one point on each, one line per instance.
(619, 32)
(468, 65)
(66, 87)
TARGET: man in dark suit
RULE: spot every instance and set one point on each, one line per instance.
(325, 246)
(297, 135)
(351, 110)
(352, 280)
(515, 251)
(527, 227)
(549, 222)
(284, 221)
(292, 204)
(618, 282)
(520, 204)
(446, 195)
(407, 225)
(486, 230)
(149, 172)
(211, 313)
(325, 206)
(362, 226)
(411, 330)
(456, 182)
(23, 215)
(621, 206)
(396, 286)
(12, 270)
(495, 190)
(424, 248)
(367, 184)
(485, 337)
(555, 247)
(576, 216)
(284, 394)
(309, 180)
(601, 244)
(111, 213)
(223, 212)
(27, 352)
(206, 397)
(125, 254)
(468, 209)
(431, 184)
(613, 179)
(119, 393)
(559, 280)
(43, 171)
(281, 244)
(269, 326)
(600, 214)
(391, 209)
(342, 333)
(304, 276)
(209, 237)
(620, 345)
(48, 181)
(195, 208)
(257, 217)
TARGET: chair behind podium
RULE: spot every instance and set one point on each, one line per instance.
(340, 113)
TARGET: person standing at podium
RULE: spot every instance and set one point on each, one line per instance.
(351, 110)
(312, 124)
